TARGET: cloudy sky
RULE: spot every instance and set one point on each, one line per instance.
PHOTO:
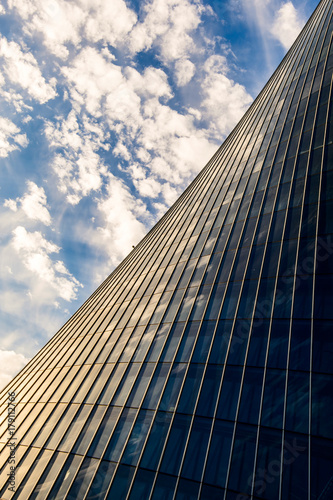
(108, 110)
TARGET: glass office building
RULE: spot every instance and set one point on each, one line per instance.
(202, 368)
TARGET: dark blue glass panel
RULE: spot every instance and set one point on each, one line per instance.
(230, 300)
(248, 232)
(292, 224)
(200, 303)
(322, 405)
(171, 391)
(155, 442)
(277, 226)
(121, 482)
(83, 478)
(215, 302)
(271, 260)
(211, 493)
(219, 451)
(101, 481)
(173, 341)
(239, 341)
(104, 432)
(288, 258)
(242, 461)
(265, 298)
(158, 342)
(283, 297)
(295, 466)
(142, 485)
(278, 344)
(120, 435)
(196, 449)
(262, 229)
(221, 342)
(211, 269)
(173, 452)
(156, 386)
(322, 347)
(325, 217)
(254, 265)
(251, 396)
(258, 343)
(190, 390)
(268, 468)
(140, 385)
(299, 356)
(209, 390)
(323, 297)
(225, 267)
(137, 438)
(305, 264)
(309, 221)
(303, 297)
(273, 403)
(187, 490)
(188, 340)
(240, 264)
(203, 342)
(297, 410)
(321, 469)
(164, 487)
(229, 392)
(324, 257)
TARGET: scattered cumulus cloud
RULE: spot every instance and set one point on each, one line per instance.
(10, 137)
(22, 70)
(33, 204)
(287, 24)
(11, 363)
(34, 251)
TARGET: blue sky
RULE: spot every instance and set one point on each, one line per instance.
(108, 111)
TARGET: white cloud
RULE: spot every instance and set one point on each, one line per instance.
(33, 204)
(287, 24)
(79, 167)
(167, 25)
(22, 69)
(225, 101)
(184, 71)
(10, 137)
(63, 24)
(11, 363)
(34, 251)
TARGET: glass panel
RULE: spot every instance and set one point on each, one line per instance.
(218, 457)
(322, 346)
(140, 385)
(137, 438)
(190, 389)
(196, 449)
(83, 478)
(121, 482)
(156, 386)
(142, 485)
(321, 468)
(104, 432)
(273, 403)
(229, 392)
(251, 396)
(120, 435)
(297, 411)
(173, 452)
(171, 391)
(126, 384)
(155, 442)
(268, 468)
(164, 487)
(65, 477)
(187, 490)
(209, 390)
(85, 437)
(278, 344)
(102, 480)
(258, 343)
(295, 467)
(322, 405)
(242, 462)
(203, 342)
(46, 481)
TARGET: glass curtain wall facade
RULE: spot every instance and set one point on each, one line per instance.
(202, 368)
